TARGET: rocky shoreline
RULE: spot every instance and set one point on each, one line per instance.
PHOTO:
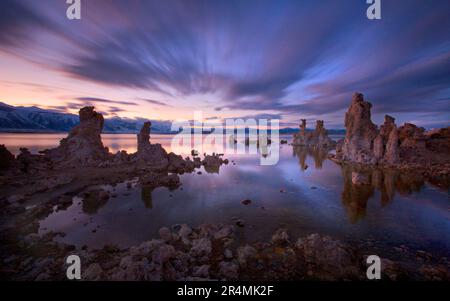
(81, 159)
(50, 180)
(211, 252)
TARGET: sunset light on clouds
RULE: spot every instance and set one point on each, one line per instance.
(228, 59)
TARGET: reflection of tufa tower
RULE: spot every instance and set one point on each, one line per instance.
(146, 196)
(318, 154)
(360, 184)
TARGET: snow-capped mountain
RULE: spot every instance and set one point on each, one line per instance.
(34, 119)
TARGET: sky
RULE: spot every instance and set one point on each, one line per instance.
(290, 60)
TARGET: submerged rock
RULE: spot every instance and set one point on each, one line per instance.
(246, 202)
(213, 162)
(240, 223)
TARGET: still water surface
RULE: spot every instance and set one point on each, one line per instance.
(305, 193)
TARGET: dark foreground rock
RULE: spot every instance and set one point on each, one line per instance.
(208, 252)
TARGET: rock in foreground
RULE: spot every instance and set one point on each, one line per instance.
(210, 252)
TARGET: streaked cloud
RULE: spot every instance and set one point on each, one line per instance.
(156, 102)
(291, 59)
(108, 101)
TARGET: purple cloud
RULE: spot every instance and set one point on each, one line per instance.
(302, 58)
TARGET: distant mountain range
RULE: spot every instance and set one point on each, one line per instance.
(37, 120)
(34, 119)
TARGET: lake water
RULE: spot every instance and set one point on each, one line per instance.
(305, 193)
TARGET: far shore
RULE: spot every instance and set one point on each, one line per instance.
(109, 133)
(18, 131)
